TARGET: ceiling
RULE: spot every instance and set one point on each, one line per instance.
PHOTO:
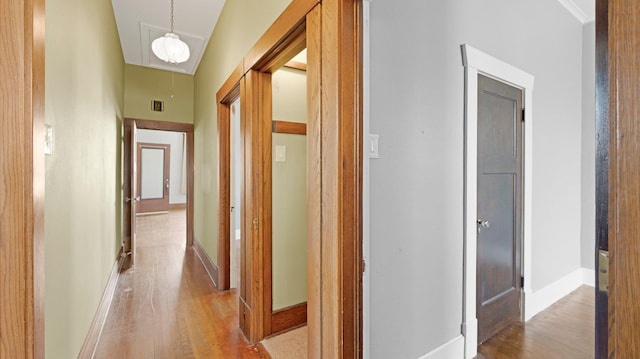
(141, 21)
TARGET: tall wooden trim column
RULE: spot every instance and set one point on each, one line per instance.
(256, 110)
(342, 177)
(22, 179)
(624, 178)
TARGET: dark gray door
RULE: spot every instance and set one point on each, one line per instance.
(499, 206)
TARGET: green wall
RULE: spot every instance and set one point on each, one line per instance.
(143, 84)
(289, 184)
(84, 92)
(240, 25)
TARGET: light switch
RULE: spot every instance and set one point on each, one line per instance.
(48, 140)
(373, 145)
(281, 153)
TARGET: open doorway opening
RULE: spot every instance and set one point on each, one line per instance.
(288, 302)
(152, 187)
(235, 190)
(162, 188)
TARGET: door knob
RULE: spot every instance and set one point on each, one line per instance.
(484, 224)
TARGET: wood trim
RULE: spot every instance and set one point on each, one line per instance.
(22, 179)
(283, 52)
(95, 329)
(602, 170)
(296, 65)
(624, 153)
(177, 206)
(292, 128)
(174, 127)
(257, 203)
(314, 184)
(288, 318)
(334, 174)
(163, 125)
(341, 190)
(224, 195)
(288, 22)
(230, 89)
(210, 267)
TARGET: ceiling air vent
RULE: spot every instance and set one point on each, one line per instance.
(157, 106)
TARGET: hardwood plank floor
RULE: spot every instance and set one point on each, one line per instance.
(166, 306)
(564, 331)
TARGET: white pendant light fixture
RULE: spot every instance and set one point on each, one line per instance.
(170, 48)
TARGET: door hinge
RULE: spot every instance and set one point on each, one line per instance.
(364, 265)
(521, 281)
(523, 115)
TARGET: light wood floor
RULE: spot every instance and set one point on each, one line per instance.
(166, 306)
(564, 331)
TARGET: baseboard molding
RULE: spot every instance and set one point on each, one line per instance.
(589, 277)
(209, 266)
(544, 298)
(288, 318)
(177, 206)
(451, 349)
(93, 336)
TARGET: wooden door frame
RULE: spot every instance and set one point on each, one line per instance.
(476, 62)
(166, 173)
(602, 171)
(617, 173)
(22, 179)
(334, 187)
(165, 126)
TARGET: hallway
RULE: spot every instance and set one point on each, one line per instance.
(166, 307)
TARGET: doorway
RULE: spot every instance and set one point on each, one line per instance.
(178, 136)
(235, 194)
(477, 64)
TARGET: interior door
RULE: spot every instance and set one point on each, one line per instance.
(130, 188)
(153, 177)
(499, 206)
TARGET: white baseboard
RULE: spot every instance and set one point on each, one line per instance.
(589, 277)
(471, 336)
(449, 350)
(545, 297)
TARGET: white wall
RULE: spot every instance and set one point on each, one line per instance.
(417, 94)
(175, 161)
(588, 234)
